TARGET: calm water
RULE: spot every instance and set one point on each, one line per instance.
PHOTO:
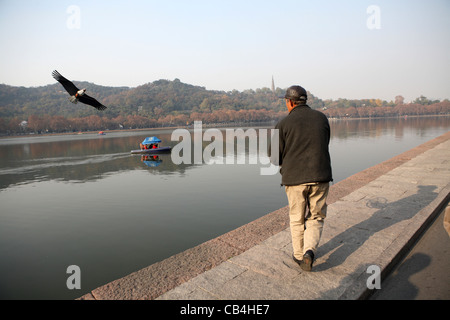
(84, 200)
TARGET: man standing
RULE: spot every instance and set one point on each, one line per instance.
(304, 137)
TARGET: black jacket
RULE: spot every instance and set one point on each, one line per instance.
(304, 136)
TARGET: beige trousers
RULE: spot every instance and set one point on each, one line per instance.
(306, 226)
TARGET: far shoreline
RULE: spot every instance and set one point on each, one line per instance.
(206, 125)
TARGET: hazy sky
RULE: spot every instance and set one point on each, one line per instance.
(335, 49)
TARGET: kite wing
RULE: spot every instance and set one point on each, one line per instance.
(91, 101)
(68, 85)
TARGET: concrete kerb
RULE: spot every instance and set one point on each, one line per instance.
(161, 277)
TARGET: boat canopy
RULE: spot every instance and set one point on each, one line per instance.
(149, 140)
(153, 163)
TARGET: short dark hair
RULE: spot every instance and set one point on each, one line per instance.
(298, 102)
(296, 94)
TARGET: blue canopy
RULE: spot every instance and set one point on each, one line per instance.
(153, 163)
(149, 140)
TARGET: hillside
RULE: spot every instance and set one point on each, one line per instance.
(165, 102)
(161, 97)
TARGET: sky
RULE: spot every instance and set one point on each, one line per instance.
(353, 49)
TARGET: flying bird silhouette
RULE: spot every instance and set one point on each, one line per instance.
(75, 93)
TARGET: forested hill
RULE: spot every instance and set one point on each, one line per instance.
(49, 100)
(165, 102)
(161, 97)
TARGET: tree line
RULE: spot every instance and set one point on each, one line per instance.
(60, 124)
(165, 103)
(412, 109)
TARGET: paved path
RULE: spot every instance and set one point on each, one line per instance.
(373, 217)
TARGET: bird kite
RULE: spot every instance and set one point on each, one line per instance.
(75, 93)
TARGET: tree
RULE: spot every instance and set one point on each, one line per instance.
(58, 124)
(205, 105)
(399, 100)
(38, 124)
(424, 101)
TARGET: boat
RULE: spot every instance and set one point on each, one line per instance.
(101, 133)
(153, 151)
(150, 142)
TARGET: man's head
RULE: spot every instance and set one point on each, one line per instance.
(294, 96)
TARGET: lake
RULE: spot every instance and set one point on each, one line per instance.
(85, 200)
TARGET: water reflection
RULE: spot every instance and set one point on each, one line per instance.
(398, 127)
(74, 159)
(151, 161)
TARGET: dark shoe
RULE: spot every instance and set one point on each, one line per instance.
(299, 262)
(307, 262)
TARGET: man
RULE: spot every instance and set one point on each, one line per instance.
(304, 137)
